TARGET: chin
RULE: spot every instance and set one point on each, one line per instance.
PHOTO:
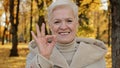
(64, 40)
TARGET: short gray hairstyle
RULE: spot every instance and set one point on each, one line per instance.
(58, 3)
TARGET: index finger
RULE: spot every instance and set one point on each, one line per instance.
(43, 30)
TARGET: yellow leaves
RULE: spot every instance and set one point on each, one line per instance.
(91, 10)
(39, 2)
(85, 2)
(93, 4)
(13, 62)
(108, 58)
(6, 5)
(94, 7)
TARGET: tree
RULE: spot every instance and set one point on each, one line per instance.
(41, 7)
(115, 10)
(31, 19)
(14, 25)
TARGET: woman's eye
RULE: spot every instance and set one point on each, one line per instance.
(56, 22)
(69, 20)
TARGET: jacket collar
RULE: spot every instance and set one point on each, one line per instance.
(58, 59)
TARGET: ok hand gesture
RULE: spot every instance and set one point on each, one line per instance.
(45, 47)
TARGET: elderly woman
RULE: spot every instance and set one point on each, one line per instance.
(63, 49)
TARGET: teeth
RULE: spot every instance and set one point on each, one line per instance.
(64, 32)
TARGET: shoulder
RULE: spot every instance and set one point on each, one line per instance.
(92, 50)
(92, 41)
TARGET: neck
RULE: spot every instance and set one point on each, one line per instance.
(62, 46)
(67, 50)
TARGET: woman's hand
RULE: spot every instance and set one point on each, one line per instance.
(45, 42)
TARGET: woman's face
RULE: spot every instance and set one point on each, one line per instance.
(63, 24)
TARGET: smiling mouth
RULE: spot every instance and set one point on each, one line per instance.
(63, 33)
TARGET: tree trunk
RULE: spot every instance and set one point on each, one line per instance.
(40, 21)
(31, 19)
(115, 33)
(14, 50)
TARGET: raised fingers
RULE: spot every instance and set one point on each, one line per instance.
(38, 31)
(43, 30)
(33, 34)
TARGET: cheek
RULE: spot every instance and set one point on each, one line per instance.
(53, 29)
(74, 27)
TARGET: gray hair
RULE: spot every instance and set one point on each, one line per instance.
(58, 3)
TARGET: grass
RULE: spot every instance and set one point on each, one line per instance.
(19, 62)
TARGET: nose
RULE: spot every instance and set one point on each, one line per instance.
(63, 26)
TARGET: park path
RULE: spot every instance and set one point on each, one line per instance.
(13, 62)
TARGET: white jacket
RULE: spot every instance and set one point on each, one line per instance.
(90, 54)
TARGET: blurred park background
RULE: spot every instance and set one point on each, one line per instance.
(18, 18)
